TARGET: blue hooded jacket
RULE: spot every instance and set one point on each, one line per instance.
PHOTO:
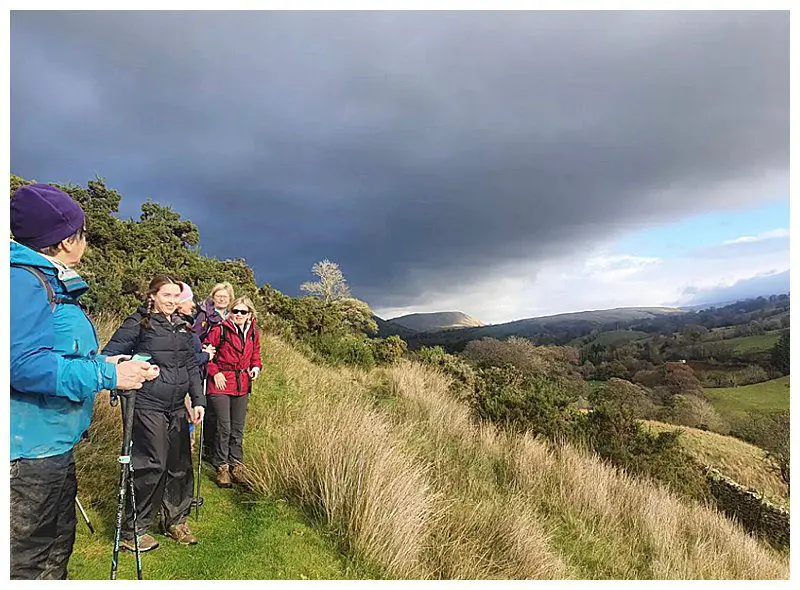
(55, 368)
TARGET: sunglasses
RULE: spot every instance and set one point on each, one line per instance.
(240, 311)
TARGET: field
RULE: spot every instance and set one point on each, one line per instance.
(735, 403)
(737, 459)
(759, 343)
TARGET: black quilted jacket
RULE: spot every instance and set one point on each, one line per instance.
(171, 346)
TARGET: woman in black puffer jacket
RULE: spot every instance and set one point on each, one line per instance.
(161, 459)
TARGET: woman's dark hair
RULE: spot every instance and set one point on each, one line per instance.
(153, 288)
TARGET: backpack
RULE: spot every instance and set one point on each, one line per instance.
(51, 295)
(251, 334)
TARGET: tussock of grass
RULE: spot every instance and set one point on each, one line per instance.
(342, 462)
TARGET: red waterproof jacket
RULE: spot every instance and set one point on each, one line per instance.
(235, 356)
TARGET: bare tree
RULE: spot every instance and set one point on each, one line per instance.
(331, 285)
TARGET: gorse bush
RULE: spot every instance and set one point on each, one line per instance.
(464, 378)
(389, 350)
(347, 349)
(541, 404)
(639, 399)
(523, 355)
(614, 432)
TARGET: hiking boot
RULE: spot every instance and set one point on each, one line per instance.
(223, 476)
(146, 543)
(238, 474)
(181, 534)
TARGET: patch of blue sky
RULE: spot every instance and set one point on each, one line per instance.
(677, 239)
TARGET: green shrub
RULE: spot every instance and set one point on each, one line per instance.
(349, 350)
(542, 405)
(613, 433)
(636, 397)
(388, 350)
(689, 410)
(466, 382)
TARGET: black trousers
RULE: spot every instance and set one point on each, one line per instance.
(42, 517)
(162, 469)
(209, 432)
(229, 412)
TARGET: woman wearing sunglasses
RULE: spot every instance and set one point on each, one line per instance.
(231, 372)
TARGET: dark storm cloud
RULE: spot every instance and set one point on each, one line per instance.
(418, 150)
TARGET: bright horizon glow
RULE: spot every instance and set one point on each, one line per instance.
(750, 251)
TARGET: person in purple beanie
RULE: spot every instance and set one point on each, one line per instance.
(55, 372)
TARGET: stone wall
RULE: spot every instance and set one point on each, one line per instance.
(747, 506)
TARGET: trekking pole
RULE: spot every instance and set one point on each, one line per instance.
(125, 482)
(199, 464)
(85, 516)
(135, 522)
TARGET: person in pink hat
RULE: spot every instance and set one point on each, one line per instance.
(187, 309)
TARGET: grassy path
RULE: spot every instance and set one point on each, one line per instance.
(241, 537)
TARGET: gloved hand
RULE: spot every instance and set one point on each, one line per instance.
(254, 371)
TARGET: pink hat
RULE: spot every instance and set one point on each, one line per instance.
(186, 294)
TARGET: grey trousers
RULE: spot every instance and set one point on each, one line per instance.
(229, 412)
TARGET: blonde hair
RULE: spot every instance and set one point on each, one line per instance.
(219, 287)
(246, 301)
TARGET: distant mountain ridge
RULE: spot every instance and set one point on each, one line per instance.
(420, 324)
(432, 322)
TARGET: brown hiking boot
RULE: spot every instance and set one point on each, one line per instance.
(238, 474)
(181, 534)
(223, 476)
(146, 543)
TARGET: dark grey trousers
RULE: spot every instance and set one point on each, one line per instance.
(42, 517)
(229, 412)
(162, 469)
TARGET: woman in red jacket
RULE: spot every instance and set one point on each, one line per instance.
(236, 364)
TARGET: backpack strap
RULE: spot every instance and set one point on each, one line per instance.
(52, 299)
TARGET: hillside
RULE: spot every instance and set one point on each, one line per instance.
(735, 458)
(432, 322)
(581, 322)
(386, 329)
(384, 474)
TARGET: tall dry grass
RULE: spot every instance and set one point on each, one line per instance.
(489, 504)
(342, 462)
(392, 464)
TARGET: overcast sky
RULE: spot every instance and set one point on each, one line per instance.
(506, 165)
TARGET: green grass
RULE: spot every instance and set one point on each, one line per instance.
(735, 403)
(754, 344)
(241, 537)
